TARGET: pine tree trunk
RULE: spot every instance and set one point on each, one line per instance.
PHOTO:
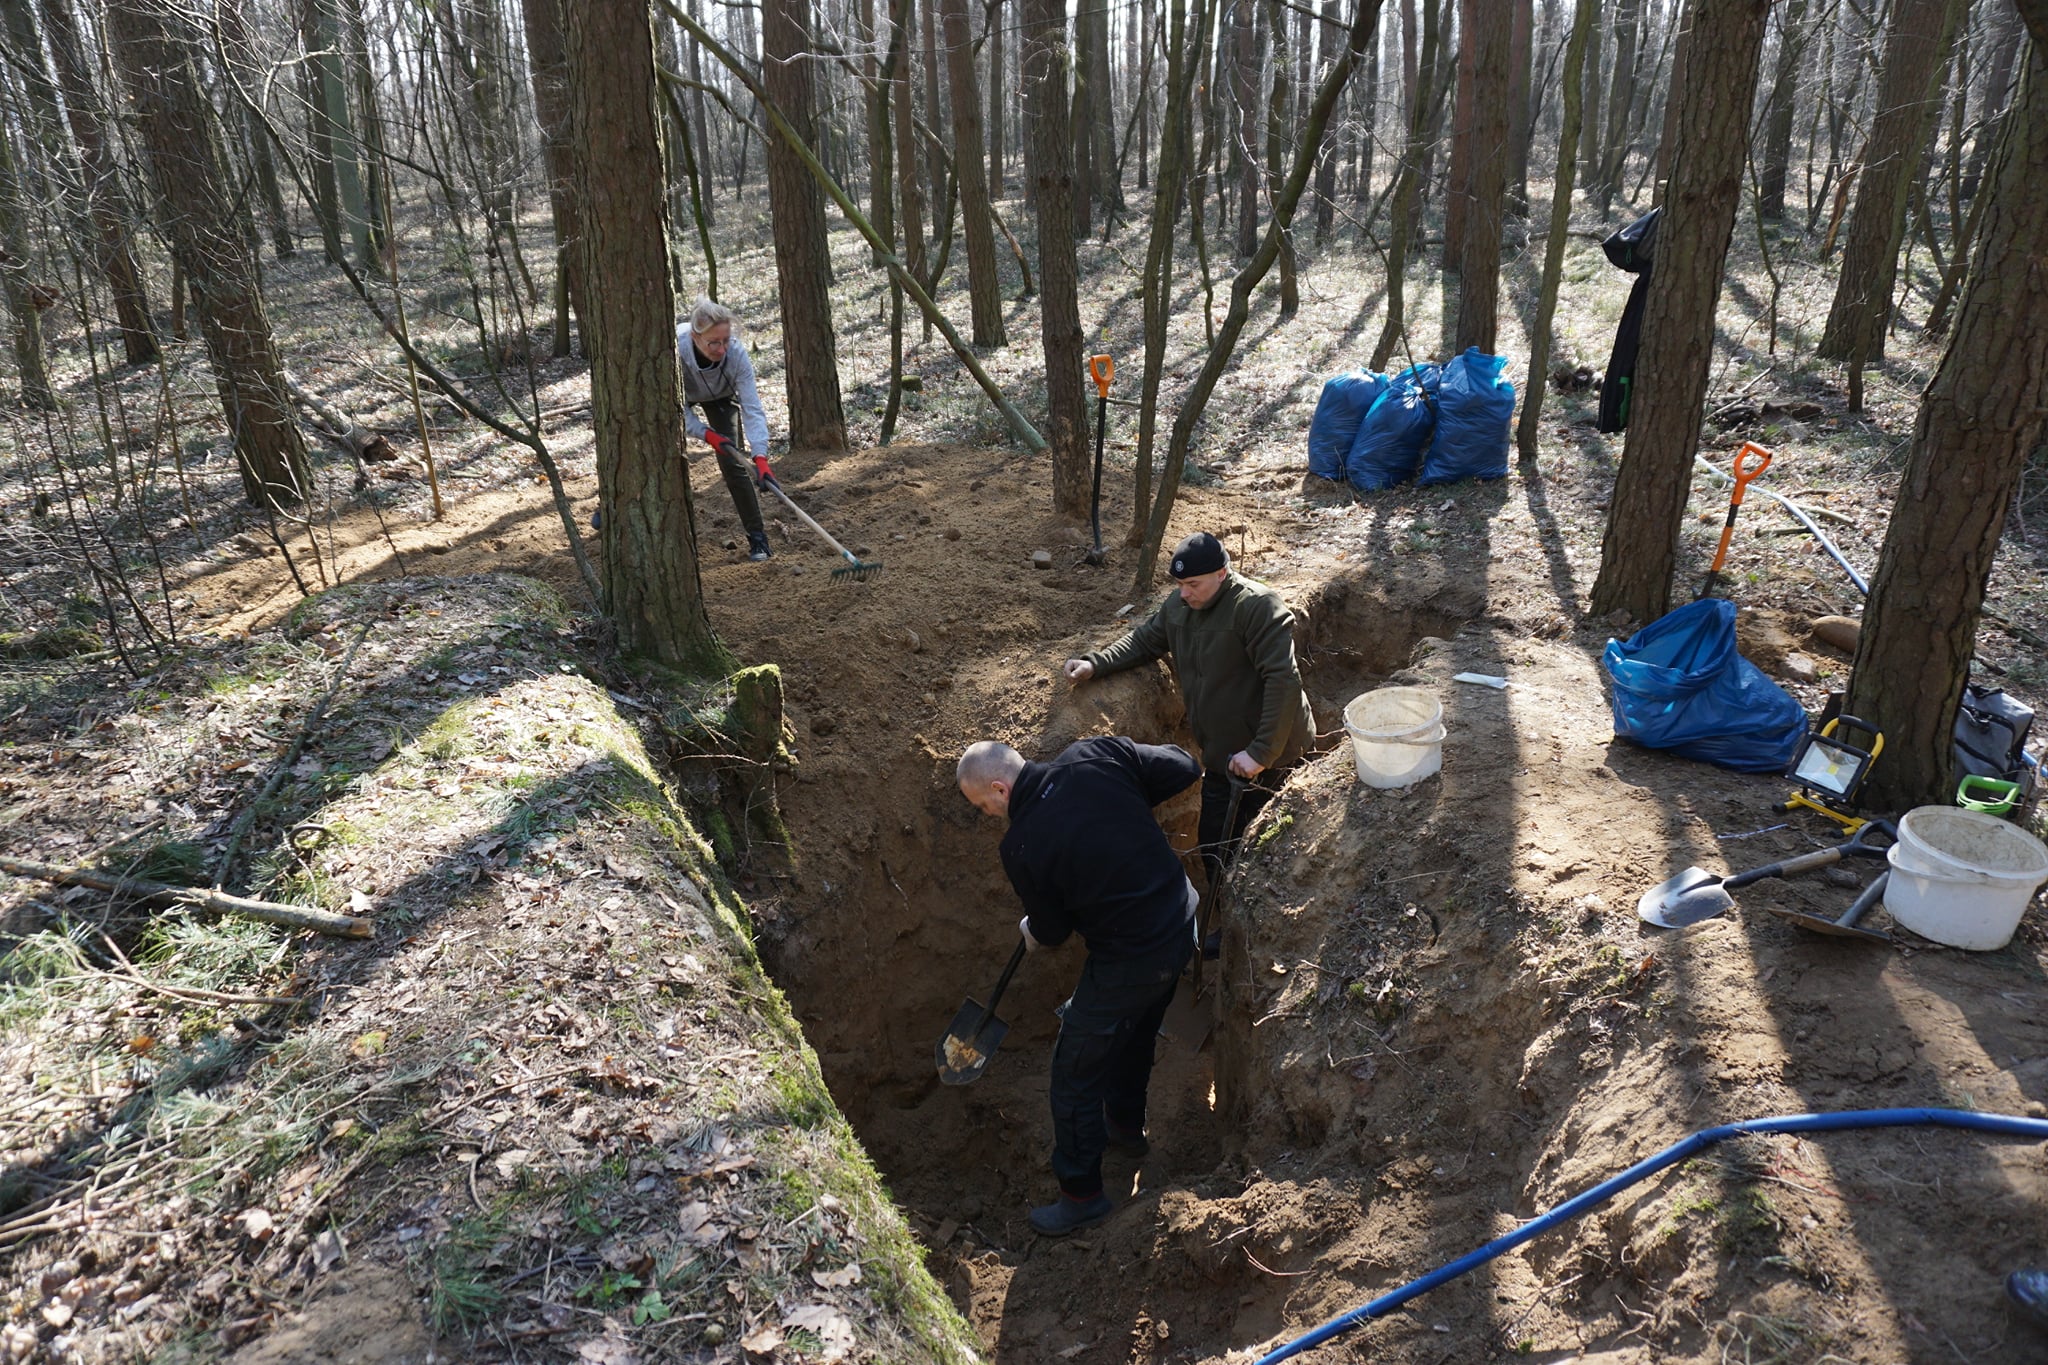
(157, 55)
(1046, 104)
(1916, 51)
(1108, 191)
(106, 198)
(985, 288)
(547, 64)
(1458, 190)
(909, 178)
(1521, 114)
(651, 587)
(1280, 133)
(331, 125)
(235, 42)
(1584, 24)
(1589, 100)
(29, 361)
(1081, 121)
(319, 145)
(1779, 112)
(997, 169)
(1980, 419)
(1710, 137)
(1489, 35)
(1182, 73)
(803, 262)
(1621, 90)
(1406, 193)
(1245, 84)
(1330, 32)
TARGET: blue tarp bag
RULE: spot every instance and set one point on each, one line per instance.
(1679, 684)
(1474, 405)
(1395, 432)
(1338, 413)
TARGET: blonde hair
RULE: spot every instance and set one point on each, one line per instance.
(706, 314)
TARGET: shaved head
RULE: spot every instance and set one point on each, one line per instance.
(987, 771)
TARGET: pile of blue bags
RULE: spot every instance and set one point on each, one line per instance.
(1431, 423)
(1680, 684)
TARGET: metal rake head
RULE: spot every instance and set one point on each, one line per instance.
(860, 570)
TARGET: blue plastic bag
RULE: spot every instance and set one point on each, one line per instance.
(1341, 408)
(1679, 684)
(1474, 405)
(1395, 432)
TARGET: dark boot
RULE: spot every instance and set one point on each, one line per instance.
(1068, 1214)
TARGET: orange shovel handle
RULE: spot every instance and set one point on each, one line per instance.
(1103, 368)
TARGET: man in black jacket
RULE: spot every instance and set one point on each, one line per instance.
(1086, 857)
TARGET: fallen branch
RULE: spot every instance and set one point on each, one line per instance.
(284, 765)
(192, 897)
(338, 427)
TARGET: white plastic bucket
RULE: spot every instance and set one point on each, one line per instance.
(1962, 878)
(1397, 735)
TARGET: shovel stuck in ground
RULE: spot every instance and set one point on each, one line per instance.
(973, 1036)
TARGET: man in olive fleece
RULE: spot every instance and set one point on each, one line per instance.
(1232, 642)
(1088, 859)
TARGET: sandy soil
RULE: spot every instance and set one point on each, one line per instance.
(1441, 1012)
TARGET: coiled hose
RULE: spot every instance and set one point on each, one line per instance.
(2004, 1124)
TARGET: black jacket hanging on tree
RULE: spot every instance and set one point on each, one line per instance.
(1634, 249)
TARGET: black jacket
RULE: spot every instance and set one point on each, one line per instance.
(1085, 854)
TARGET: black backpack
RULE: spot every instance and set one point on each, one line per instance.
(1991, 737)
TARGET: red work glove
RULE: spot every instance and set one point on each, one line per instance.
(763, 475)
(717, 442)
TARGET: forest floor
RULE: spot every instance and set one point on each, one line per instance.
(1442, 1013)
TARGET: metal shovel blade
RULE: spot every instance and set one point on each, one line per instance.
(1191, 1018)
(1832, 927)
(1691, 896)
(963, 1053)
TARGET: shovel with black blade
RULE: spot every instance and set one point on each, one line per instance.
(971, 1039)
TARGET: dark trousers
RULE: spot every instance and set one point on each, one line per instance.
(1102, 1063)
(722, 415)
(1219, 847)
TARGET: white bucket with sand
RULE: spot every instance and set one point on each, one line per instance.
(1963, 878)
(1397, 735)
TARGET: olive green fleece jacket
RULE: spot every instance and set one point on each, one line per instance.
(1234, 660)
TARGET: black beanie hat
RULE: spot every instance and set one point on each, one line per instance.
(1200, 553)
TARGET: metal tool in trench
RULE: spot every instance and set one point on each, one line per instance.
(855, 567)
(1188, 1018)
(973, 1036)
(1697, 894)
(1750, 461)
(1103, 369)
(1846, 926)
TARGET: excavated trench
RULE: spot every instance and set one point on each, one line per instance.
(899, 910)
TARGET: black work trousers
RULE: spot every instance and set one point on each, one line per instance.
(1102, 1063)
(722, 415)
(1218, 846)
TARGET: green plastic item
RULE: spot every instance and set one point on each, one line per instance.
(1987, 795)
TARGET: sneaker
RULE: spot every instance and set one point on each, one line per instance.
(2027, 1290)
(1068, 1214)
(1128, 1141)
(757, 546)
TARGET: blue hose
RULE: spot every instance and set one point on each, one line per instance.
(2005, 1124)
